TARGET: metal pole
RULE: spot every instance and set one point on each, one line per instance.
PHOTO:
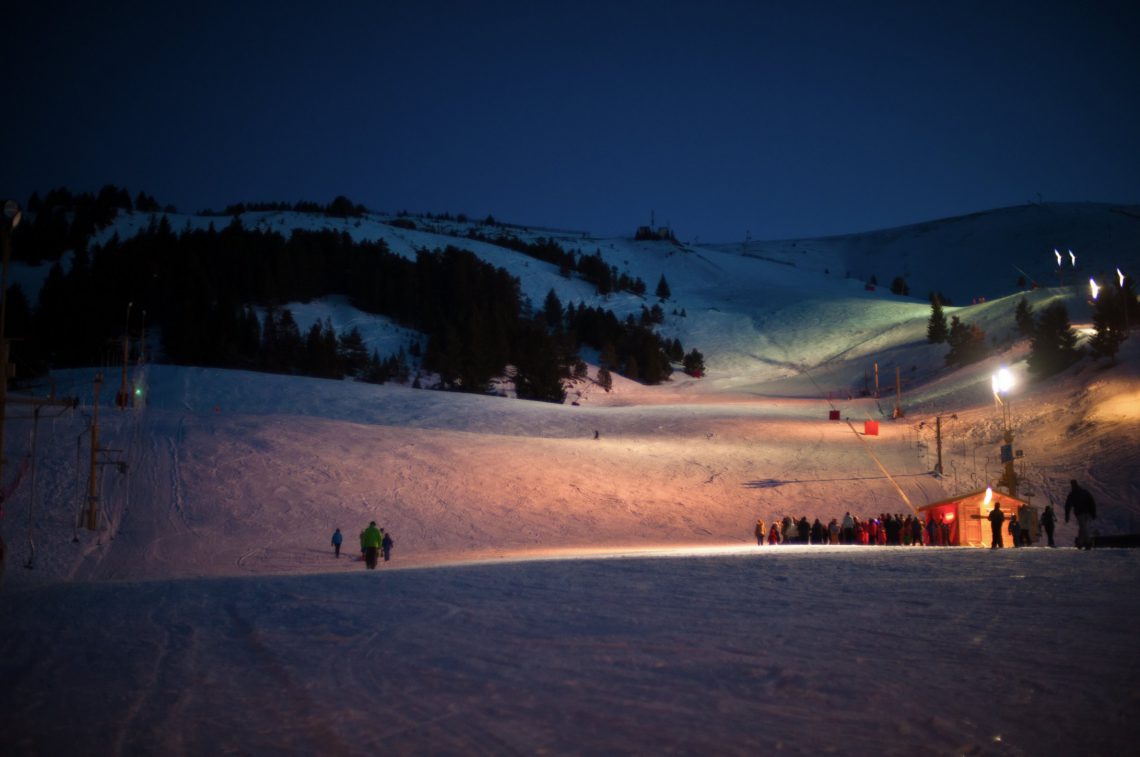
(938, 443)
(32, 499)
(123, 399)
(93, 477)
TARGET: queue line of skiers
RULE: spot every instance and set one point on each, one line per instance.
(886, 529)
(911, 530)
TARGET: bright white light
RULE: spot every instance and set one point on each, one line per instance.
(1121, 277)
(1073, 258)
(989, 496)
(1058, 257)
(1093, 287)
(1002, 381)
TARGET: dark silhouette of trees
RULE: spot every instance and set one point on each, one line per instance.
(1054, 344)
(694, 363)
(1110, 321)
(967, 343)
(1023, 316)
(217, 297)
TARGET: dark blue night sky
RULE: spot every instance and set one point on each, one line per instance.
(725, 118)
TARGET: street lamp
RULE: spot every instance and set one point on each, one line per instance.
(1002, 382)
(1094, 288)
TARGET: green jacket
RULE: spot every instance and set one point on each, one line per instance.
(370, 537)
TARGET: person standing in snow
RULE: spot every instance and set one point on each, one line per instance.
(1015, 530)
(337, 539)
(386, 544)
(759, 531)
(818, 533)
(370, 540)
(996, 518)
(774, 534)
(1082, 504)
(1049, 521)
(848, 529)
(788, 530)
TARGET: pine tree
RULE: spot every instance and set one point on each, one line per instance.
(1024, 318)
(1109, 326)
(967, 343)
(694, 363)
(663, 292)
(632, 369)
(552, 310)
(1054, 344)
(899, 286)
(605, 380)
(936, 327)
(352, 354)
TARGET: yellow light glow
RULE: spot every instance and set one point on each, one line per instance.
(1058, 257)
(1121, 277)
(1093, 288)
(989, 496)
(1072, 258)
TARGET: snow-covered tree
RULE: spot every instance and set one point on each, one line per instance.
(936, 326)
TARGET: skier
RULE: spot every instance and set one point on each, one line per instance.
(996, 518)
(1081, 503)
(337, 538)
(1049, 521)
(370, 540)
(386, 544)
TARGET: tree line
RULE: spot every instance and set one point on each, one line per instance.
(1053, 341)
(216, 298)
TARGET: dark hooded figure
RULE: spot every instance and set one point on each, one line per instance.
(1081, 503)
(386, 544)
(996, 518)
(1015, 530)
(1049, 521)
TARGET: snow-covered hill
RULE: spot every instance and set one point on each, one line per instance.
(209, 587)
(455, 473)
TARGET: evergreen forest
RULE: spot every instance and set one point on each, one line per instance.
(217, 297)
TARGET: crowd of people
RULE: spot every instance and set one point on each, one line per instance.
(913, 531)
(886, 529)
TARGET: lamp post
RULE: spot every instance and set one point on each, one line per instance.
(1002, 382)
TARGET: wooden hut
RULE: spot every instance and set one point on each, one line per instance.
(967, 517)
